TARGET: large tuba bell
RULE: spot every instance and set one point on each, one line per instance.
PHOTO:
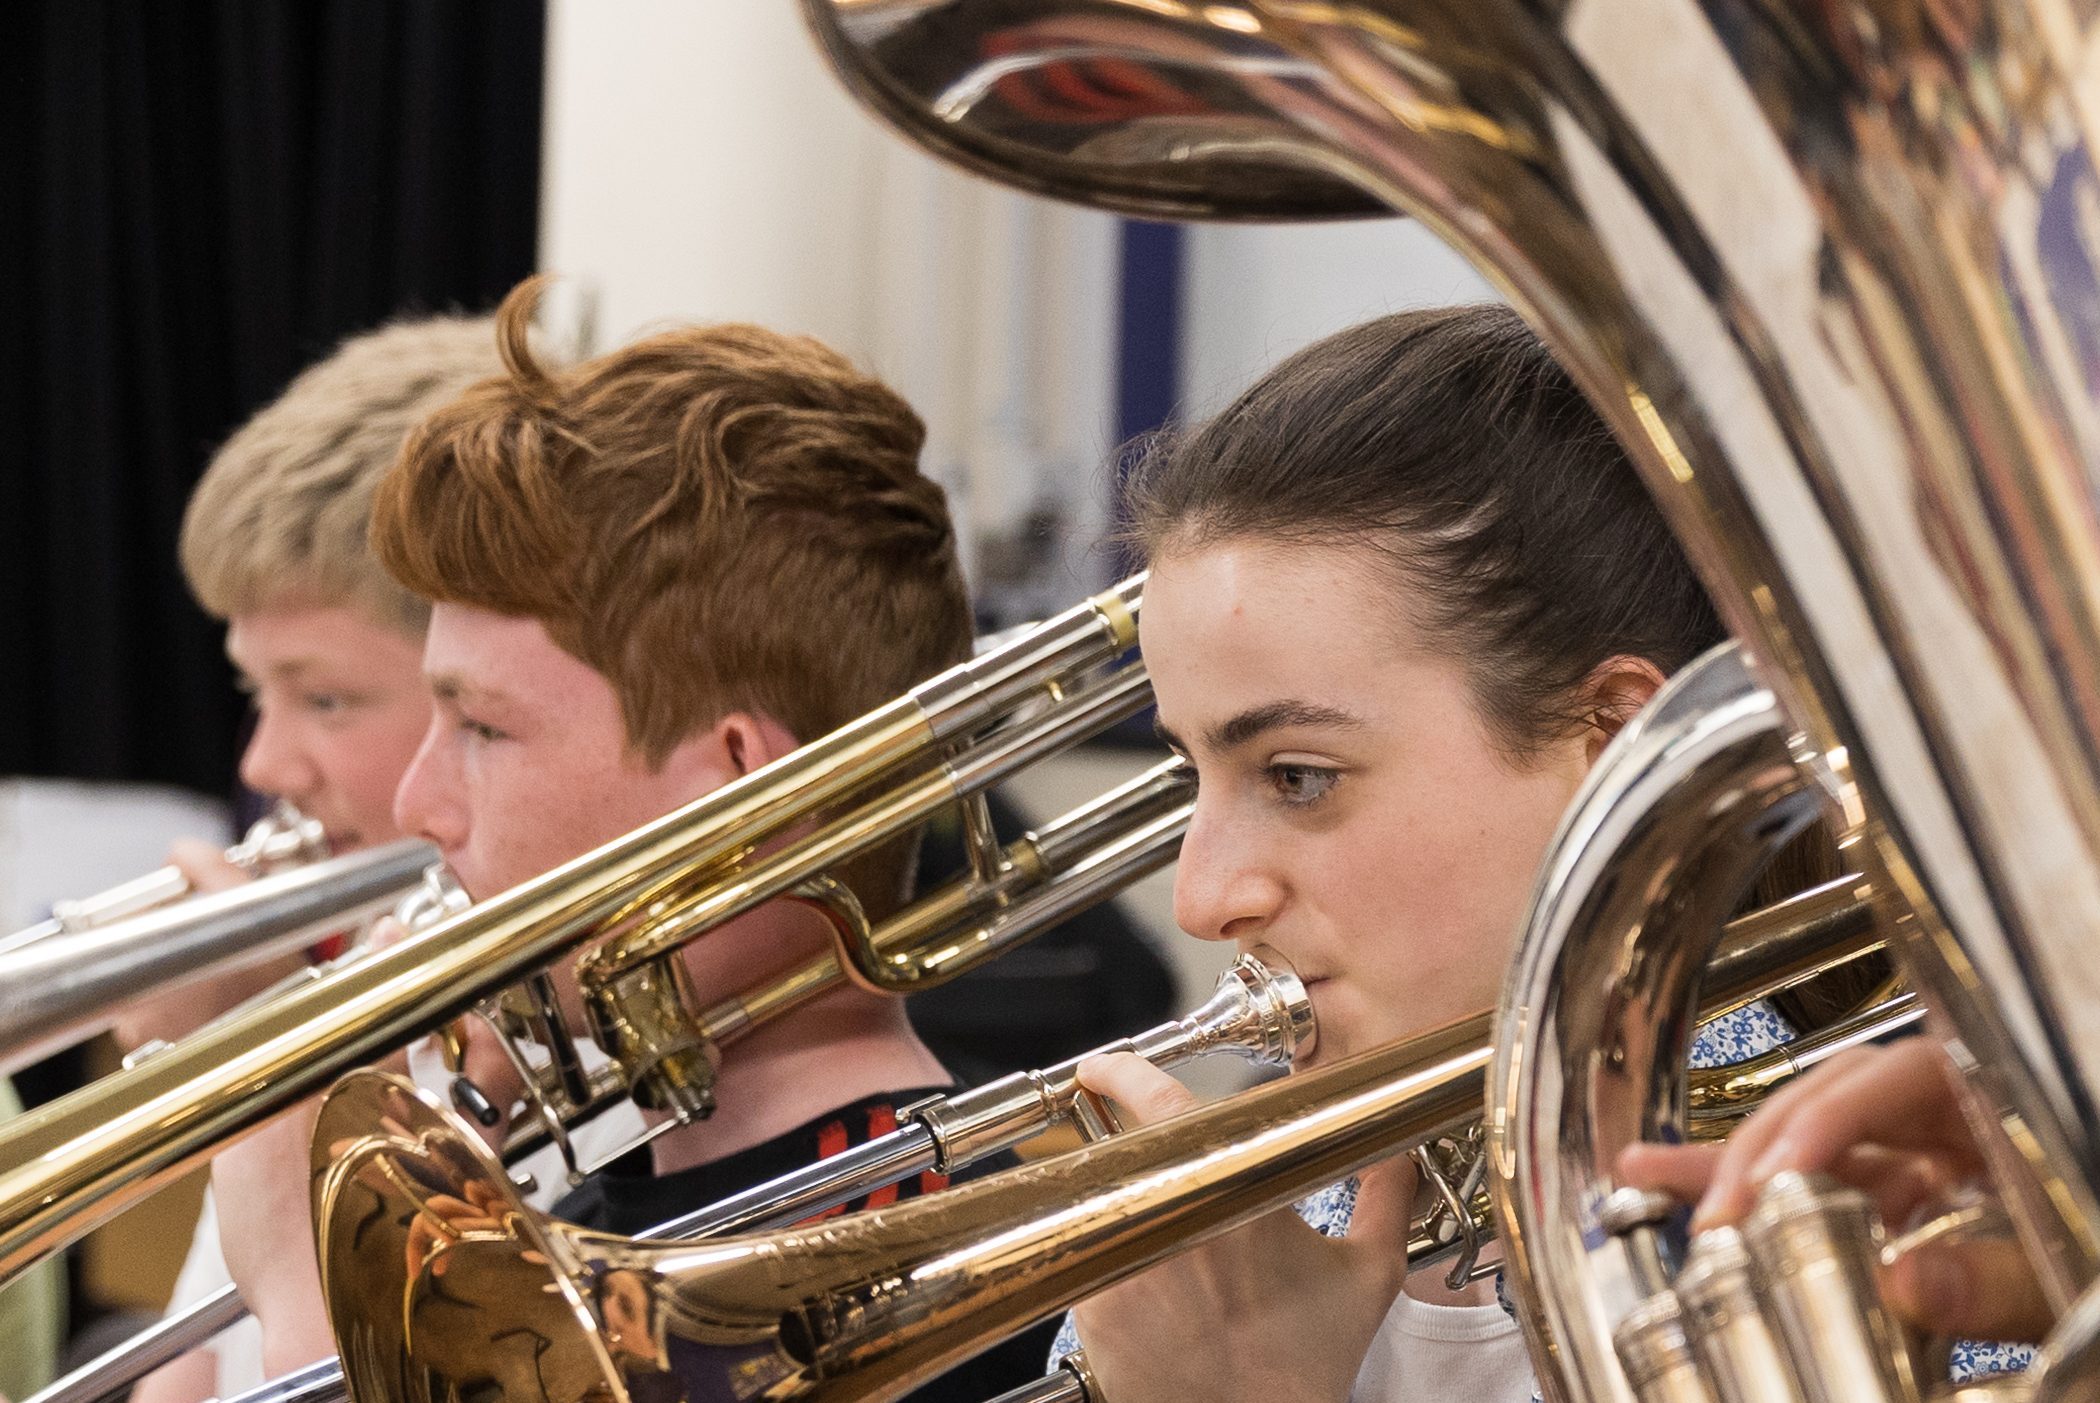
(1828, 271)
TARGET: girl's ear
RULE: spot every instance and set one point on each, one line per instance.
(1612, 695)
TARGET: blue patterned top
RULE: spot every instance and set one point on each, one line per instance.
(1733, 1037)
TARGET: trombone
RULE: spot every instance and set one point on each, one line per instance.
(282, 838)
(870, 1305)
(63, 980)
(73, 1163)
(1259, 1012)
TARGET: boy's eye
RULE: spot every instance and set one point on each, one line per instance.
(478, 730)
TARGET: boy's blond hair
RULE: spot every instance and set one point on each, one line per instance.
(280, 517)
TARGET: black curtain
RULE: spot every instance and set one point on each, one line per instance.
(203, 198)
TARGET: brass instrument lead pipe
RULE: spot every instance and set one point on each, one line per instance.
(74, 1163)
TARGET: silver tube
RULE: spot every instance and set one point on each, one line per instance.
(1259, 1011)
(1813, 1246)
(118, 1369)
(1657, 1355)
(1727, 1325)
(814, 1188)
(318, 1382)
(281, 838)
(64, 987)
(1671, 826)
(1067, 1383)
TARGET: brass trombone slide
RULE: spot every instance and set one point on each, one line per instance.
(1082, 857)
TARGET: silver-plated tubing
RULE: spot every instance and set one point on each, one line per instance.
(1744, 1360)
(1814, 1245)
(1088, 634)
(67, 986)
(1070, 1382)
(1657, 1355)
(1259, 1011)
(283, 837)
(318, 1382)
(119, 1368)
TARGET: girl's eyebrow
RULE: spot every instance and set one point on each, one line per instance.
(1247, 725)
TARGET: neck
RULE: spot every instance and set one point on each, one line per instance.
(841, 1047)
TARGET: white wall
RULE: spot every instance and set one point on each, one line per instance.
(1255, 293)
(701, 164)
(697, 166)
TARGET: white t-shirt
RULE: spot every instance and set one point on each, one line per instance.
(1423, 1351)
(238, 1350)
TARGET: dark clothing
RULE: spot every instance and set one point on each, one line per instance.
(627, 1199)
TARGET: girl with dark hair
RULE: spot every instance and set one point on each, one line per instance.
(1403, 592)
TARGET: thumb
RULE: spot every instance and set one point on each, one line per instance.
(1145, 1093)
(1383, 1217)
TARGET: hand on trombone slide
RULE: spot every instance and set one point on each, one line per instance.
(1281, 1312)
(1885, 1120)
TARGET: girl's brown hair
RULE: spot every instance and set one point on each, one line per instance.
(1453, 447)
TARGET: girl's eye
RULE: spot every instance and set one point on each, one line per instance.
(325, 703)
(1302, 786)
